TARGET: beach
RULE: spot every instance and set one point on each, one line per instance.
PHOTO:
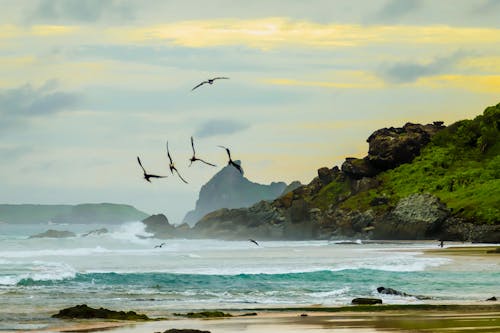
(398, 314)
(458, 318)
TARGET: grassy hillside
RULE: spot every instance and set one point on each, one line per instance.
(31, 213)
(461, 166)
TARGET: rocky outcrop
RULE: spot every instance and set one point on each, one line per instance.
(417, 216)
(358, 168)
(303, 213)
(391, 147)
(390, 291)
(159, 226)
(85, 312)
(54, 234)
(230, 189)
(355, 202)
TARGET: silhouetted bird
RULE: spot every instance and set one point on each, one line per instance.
(194, 158)
(147, 176)
(230, 162)
(210, 81)
(254, 241)
(160, 246)
(172, 166)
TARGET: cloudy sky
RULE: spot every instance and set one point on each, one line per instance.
(86, 86)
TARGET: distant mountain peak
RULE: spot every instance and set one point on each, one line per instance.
(228, 188)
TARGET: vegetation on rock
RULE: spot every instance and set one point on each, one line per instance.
(460, 166)
(204, 314)
(85, 312)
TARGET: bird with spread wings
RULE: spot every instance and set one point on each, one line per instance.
(148, 176)
(210, 81)
(194, 158)
(172, 166)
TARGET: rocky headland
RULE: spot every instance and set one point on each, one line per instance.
(416, 182)
(230, 189)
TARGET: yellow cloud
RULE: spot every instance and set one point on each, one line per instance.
(477, 83)
(17, 61)
(343, 79)
(485, 64)
(8, 31)
(267, 33)
(50, 30)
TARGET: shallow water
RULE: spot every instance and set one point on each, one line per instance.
(122, 270)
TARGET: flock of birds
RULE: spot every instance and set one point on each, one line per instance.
(148, 176)
(173, 169)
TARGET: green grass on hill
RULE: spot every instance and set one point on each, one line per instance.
(461, 166)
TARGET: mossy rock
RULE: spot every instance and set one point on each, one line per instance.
(204, 314)
(366, 301)
(85, 312)
(175, 330)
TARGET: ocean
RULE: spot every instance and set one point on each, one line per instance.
(122, 270)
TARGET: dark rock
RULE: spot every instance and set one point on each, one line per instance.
(175, 330)
(325, 175)
(363, 184)
(366, 301)
(358, 168)
(54, 234)
(96, 232)
(158, 225)
(299, 211)
(85, 312)
(378, 201)
(493, 299)
(391, 147)
(390, 291)
(204, 314)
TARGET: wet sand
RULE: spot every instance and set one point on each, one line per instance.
(485, 318)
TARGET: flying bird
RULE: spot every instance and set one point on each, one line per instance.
(210, 81)
(147, 176)
(194, 158)
(172, 166)
(160, 246)
(230, 162)
(254, 241)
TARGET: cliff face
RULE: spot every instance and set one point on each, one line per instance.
(417, 182)
(230, 189)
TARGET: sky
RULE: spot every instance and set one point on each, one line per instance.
(88, 85)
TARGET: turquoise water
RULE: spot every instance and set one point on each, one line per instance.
(122, 270)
